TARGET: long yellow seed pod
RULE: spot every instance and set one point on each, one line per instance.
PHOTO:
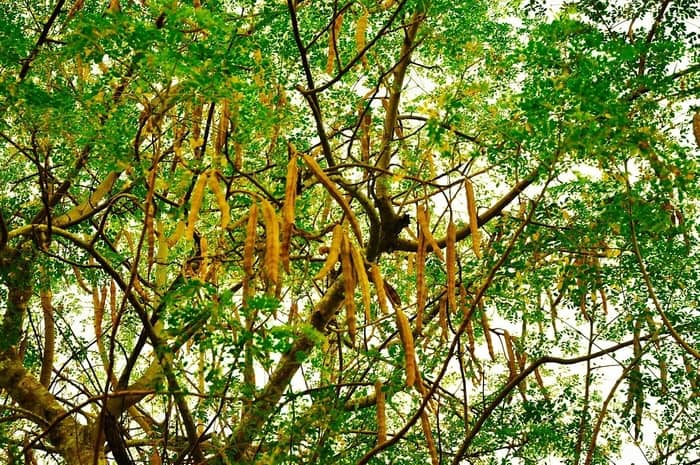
(349, 282)
(429, 441)
(359, 266)
(379, 286)
(150, 237)
(333, 252)
(86, 208)
(335, 193)
(381, 412)
(473, 217)
(663, 376)
(272, 241)
(604, 300)
(510, 353)
(360, 33)
(696, 127)
(204, 263)
(470, 337)
(222, 130)
(177, 234)
(408, 346)
(113, 302)
(451, 265)
(487, 333)
(421, 291)
(249, 247)
(290, 196)
(195, 204)
(162, 258)
(424, 223)
(221, 201)
(365, 125)
(332, 41)
(442, 318)
(98, 306)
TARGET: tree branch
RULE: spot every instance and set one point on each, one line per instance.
(27, 62)
(266, 401)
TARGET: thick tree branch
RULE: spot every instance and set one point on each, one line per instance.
(72, 439)
(27, 62)
(495, 210)
(266, 401)
(513, 383)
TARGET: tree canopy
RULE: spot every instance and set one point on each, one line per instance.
(398, 231)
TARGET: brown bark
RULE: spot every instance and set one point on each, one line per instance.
(73, 440)
(266, 401)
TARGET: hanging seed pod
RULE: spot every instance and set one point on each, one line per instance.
(335, 193)
(424, 223)
(470, 337)
(379, 286)
(510, 353)
(333, 252)
(408, 345)
(221, 201)
(442, 318)
(349, 283)
(249, 248)
(473, 218)
(162, 258)
(451, 266)
(429, 441)
(360, 34)
(272, 242)
(358, 264)
(381, 412)
(487, 333)
(421, 291)
(195, 204)
(289, 206)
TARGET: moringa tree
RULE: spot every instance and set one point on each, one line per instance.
(356, 232)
